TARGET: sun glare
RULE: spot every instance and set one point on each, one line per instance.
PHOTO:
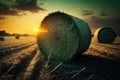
(43, 30)
(37, 30)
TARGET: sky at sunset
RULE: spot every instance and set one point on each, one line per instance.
(24, 16)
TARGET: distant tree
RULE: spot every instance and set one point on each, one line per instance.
(2, 33)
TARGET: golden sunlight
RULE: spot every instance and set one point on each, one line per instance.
(37, 30)
(43, 30)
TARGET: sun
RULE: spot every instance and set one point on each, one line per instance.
(36, 30)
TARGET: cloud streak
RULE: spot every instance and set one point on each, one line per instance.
(12, 7)
(103, 13)
(94, 18)
(29, 5)
(96, 22)
(87, 12)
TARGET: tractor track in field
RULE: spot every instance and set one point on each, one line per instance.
(13, 64)
(7, 51)
(30, 71)
(5, 48)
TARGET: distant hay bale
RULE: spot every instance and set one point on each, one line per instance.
(66, 38)
(104, 35)
(17, 37)
(2, 38)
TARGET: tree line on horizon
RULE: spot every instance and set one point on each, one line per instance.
(4, 33)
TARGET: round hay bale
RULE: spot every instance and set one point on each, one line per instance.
(104, 35)
(2, 38)
(17, 37)
(63, 37)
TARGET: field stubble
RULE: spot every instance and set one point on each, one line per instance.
(23, 61)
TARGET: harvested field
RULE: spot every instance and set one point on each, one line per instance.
(20, 59)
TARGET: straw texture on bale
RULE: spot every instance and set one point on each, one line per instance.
(67, 37)
(104, 35)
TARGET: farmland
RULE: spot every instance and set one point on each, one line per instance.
(20, 59)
